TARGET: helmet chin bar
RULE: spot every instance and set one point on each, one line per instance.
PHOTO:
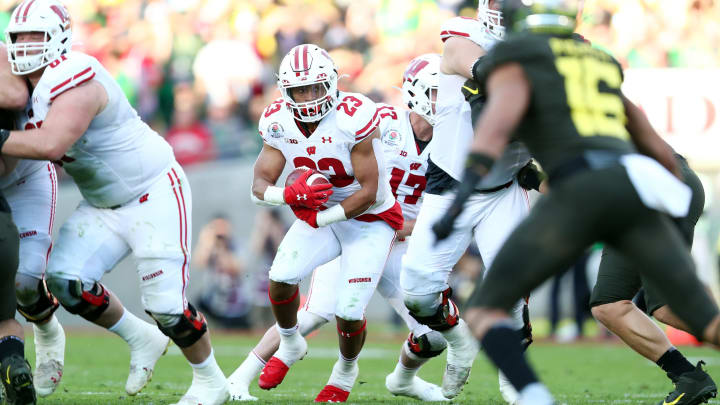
(310, 111)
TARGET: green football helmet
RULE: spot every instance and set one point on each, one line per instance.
(540, 16)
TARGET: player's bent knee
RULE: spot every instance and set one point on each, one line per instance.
(35, 302)
(426, 346)
(78, 298)
(437, 311)
(184, 329)
(422, 305)
(309, 322)
(607, 313)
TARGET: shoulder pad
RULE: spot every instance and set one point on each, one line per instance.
(67, 72)
(357, 115)
(469, 28)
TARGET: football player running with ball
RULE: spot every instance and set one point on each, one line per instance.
(136, 199)
(30, 190)
(315, 125)
(562, 98)
(495, 208)
(405, 136)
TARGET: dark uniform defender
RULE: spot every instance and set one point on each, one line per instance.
(562, 98)
(15, 370)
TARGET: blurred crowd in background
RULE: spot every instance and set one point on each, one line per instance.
(201, 71)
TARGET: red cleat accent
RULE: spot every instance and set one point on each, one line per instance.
(332, 393)
(272, 374)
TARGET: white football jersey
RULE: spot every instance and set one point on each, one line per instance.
(328, 148)
(119, 156)
(405, 164)
(453, 132)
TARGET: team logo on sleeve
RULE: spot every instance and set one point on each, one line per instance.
(276, 130)
(392, 138)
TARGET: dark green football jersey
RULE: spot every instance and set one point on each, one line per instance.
(575, 104)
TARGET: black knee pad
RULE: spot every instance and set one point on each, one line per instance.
(187, 329)
(43, 308)
(428, 345)
(445, 317)
(88, 304)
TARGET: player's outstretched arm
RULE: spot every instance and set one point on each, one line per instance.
(647, 141)
(14, 92)
(459, 56)
(267, 169)
(508, 98)
(365, 167)
(69, 117)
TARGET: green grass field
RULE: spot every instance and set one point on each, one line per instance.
(582, 373)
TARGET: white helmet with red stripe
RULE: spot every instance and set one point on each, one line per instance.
(420, 81)
(49, 17)
(492, 19)
(304, 65)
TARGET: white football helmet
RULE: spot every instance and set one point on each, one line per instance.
(47, 16)
(492, 19)
(420, 80)
(304, 65)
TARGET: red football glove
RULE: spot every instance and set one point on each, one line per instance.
(306, 214)
(299, 194)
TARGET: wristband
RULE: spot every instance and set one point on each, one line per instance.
(331, 215)
(4, 135)
(274, 195)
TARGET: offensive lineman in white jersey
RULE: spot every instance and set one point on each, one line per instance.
(136, 199)
(30, 190)
(405, 135)
(491, 214)
(316, 126)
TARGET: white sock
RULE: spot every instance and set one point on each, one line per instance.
(131, 329)
(208, 368)
(286, 332)
(347, 365)
(48, 330)
(404, 373)
(460, 343)
(249, 369)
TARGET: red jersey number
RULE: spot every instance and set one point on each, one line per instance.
(349, 109)
(340, 178)
(414, 181)
(57, 61)
(273, 108)
(387, 111)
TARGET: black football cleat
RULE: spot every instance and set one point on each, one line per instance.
(17, 379)
(691, 388)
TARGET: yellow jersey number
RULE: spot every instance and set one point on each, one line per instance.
(593, 112)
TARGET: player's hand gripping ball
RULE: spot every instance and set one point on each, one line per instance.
(305, 187)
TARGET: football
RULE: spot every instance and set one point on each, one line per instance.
(314, 179)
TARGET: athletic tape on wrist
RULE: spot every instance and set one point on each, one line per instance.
(352, 334)
(274, 195)
(283, 302)
(331, 215)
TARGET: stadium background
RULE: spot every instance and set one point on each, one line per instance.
(201, 71)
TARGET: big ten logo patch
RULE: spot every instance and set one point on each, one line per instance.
(292, 141)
